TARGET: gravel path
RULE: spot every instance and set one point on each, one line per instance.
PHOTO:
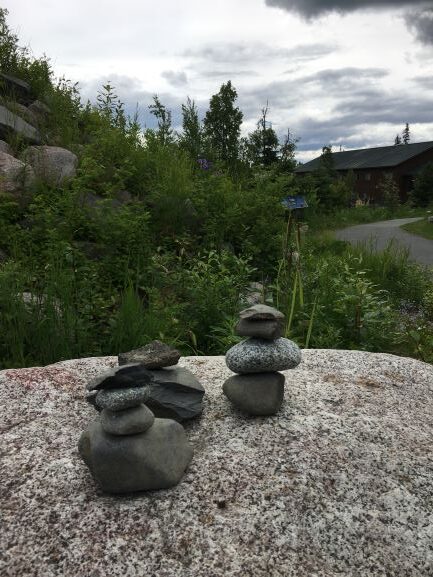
(420, 249)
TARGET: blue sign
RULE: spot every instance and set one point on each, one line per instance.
(292, 202)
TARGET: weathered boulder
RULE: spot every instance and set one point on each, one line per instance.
(15, 88)
(39, 109)
(4, 147)
(338, 483)
(52, 164)
(15, 175)
(13, 123)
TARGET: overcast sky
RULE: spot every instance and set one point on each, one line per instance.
(348, 73)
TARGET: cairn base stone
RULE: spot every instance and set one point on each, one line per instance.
(156, 459)
(256, 394)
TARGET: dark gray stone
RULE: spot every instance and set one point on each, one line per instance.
(261, 329)
(119, 399)
(156, 459)
(175, 394)
(261, 356)
(155, 355)
(256, 394)
(261, 312)
(118, 377)
(127, 422)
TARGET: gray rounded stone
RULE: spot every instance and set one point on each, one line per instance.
(156, 459)
(127, 422)
(119, 399)
(261, 312)
(261, 356)
(256, 394)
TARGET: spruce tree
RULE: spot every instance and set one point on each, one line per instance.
(397, 140)
(406, 134)
(222, 124)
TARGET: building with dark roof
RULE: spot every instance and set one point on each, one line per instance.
(369, 166)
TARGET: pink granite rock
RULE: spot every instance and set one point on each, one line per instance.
(340, 482)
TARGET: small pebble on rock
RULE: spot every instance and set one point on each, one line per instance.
(127, 422)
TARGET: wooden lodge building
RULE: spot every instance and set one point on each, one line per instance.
(369, 166)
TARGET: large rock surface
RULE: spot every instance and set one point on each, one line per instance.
(15, 175)
(11, 122)
(340, 482)
(52, 164)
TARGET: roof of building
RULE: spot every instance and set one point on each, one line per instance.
(383, 156)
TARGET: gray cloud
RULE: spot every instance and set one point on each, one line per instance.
(242, 54)
(315, 8)
(419, 18)
(175, 78)
(421, 23)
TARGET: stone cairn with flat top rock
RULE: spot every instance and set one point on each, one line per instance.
(258, 386)
(127, 449)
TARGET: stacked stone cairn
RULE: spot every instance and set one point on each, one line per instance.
(127, 449)
(258, 386)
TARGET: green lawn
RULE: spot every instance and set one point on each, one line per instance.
(421, 228)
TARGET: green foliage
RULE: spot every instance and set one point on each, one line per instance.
(389, 192)
(145, 244)
(422, 194)
(191, 139)
(222, 124)
(262, 144)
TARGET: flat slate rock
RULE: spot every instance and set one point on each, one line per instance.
(176, 394)
(119, 399)
(261, 356)
(261, 312)
(156, 459)
(118, 377)
(128, 421)
(256, 394)
(270, 329)
(155, 355)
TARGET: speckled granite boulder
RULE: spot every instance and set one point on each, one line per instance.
(338, 484)
(262, 355)
(256, 394)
